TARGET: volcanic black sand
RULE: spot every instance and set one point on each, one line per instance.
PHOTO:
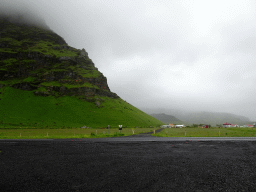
(105, 165)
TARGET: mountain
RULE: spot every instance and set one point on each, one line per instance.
(214, 118)
(200, 117)
(46, 83)
(167, 118)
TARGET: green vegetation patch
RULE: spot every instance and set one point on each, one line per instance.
(12, 82)
(51, 83)
(9, 61)
(86, 73)
(42, 89)
(207, 132)
(89, 73)
(29, 79)
(69, 86)
(49, 48)
(7, 50)
(11, 41)
(70, 133)
(2, 82)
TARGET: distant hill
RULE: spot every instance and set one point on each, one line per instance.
(167, 119)
(213, 118)
(46, 83)
(201, 117)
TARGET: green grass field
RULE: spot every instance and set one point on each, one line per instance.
(68, 133)
(209, 132)
(31, 133)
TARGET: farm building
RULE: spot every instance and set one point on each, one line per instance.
(205, 126)
(227, 124)
(179, 126)
(234, 125)
(172, 125)
(248, 125)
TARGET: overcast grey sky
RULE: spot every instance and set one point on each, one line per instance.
(180, 54)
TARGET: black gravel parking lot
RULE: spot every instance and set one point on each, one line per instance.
(105, 165)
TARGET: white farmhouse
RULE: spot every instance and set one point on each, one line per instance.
(179, 126)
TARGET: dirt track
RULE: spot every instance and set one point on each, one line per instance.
(95, 165)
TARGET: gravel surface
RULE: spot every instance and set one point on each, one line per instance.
(132, 165)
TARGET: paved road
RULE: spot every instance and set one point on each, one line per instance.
(134, 163)
(146, 138)
(161, 139)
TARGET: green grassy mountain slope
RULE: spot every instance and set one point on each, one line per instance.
(46, 83)
(167, 118)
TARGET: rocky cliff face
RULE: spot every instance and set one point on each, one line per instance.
(38, 60)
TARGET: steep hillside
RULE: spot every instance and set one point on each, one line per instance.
(167, 118)
(215, 118)
(44, 82)
(201, 117)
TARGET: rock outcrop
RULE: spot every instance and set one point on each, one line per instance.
(37, 59)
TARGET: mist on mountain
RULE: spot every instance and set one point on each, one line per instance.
(22, 15)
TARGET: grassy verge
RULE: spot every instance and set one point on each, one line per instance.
(211, 132)
(68, 133)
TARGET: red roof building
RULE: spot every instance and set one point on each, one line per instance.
(172, 125)
(234, 125)
(226, 124)
(248, 126)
